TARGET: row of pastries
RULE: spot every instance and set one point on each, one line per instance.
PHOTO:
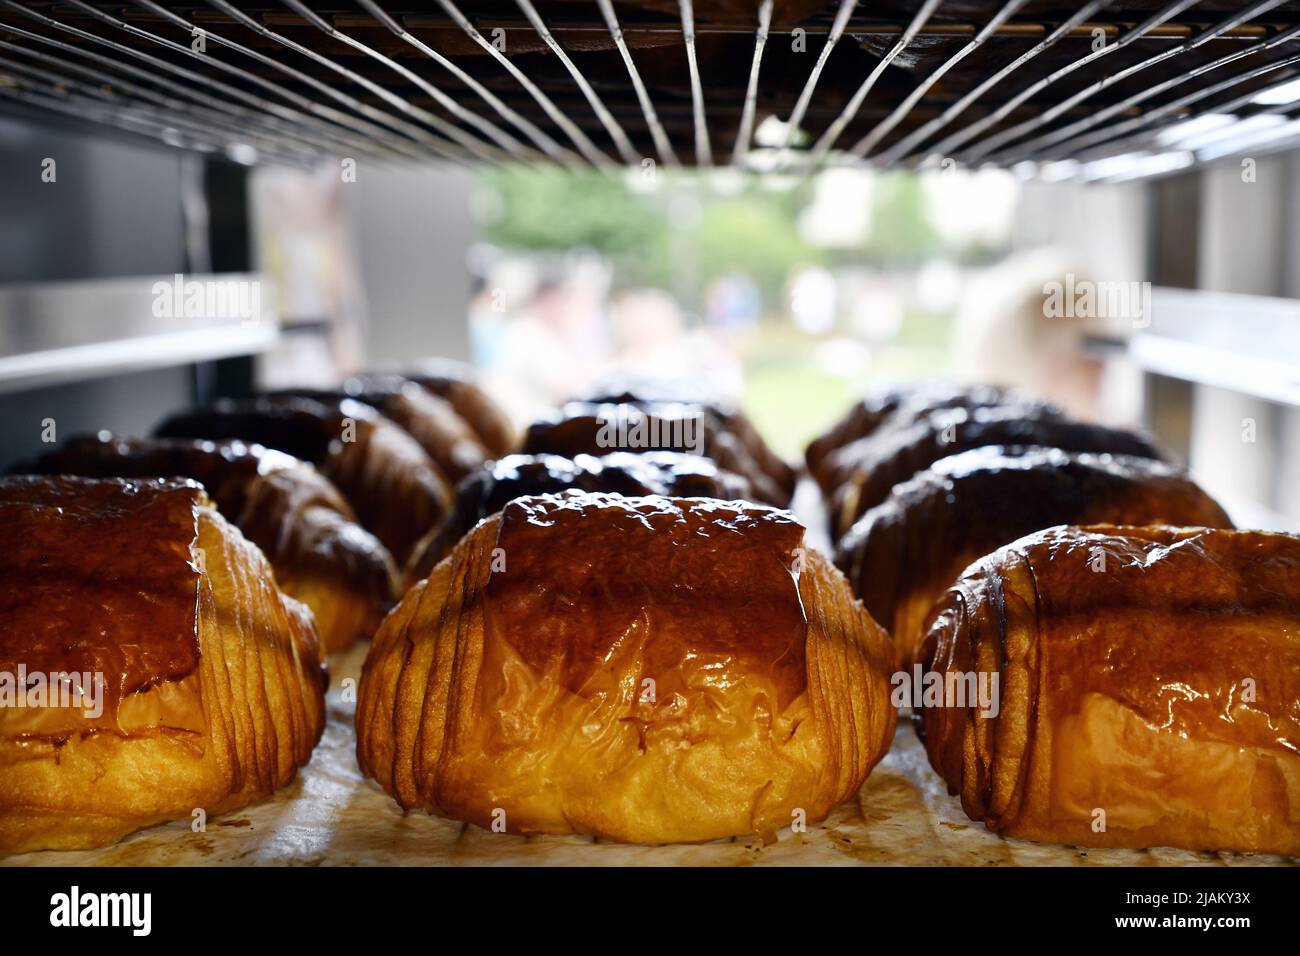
(630, 637)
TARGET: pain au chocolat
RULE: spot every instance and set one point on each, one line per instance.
(517, 476)
(1150, 680)
(175, 675)
(595, 428)
(900, 406)
(647, 669)
(648, 392)
(302, 523)
(395, 488)
(432, 421)
(904, 553)
(454, 382)
(871, 471)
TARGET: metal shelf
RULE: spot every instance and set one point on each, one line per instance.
(577, 83)
(1244, 343)
(61, 332)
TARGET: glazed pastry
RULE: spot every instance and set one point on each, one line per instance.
(649, 670)
(516, 476)
(454, 382)
(648, 393)
(866, 470)
(175, 674)
(903, 553)
(395, 488)
(903, 406)
(445, 437)
(1149, 680)
(587, 428)
(302, 523)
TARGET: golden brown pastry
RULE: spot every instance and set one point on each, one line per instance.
(517, 476)
(302, 523)
(646, 393)
(1149, 686)
(446, 437)
(649, 670)
(593, 428)
(454, 382)
(395, 488)
(203, 686)
(903, 553)
(902, 406)
(866, 470)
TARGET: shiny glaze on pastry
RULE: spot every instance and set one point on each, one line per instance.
(864, 472)
(445, 437)
(454, 382)
(646, 393)
(903, 553)
(395, 488)
(213, 688)
(901, 406)
(1148, 674)
(516, 476)
(582, 428)
(302, 523)
(641, 669)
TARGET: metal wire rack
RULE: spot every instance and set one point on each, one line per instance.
(787, 85)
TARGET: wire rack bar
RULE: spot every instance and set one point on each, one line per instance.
(745, 134)
(395, 80)
(453, 143)
(488, 129)
(905, 146)
(990, 145)
(950, 144)
(869, 142)
(616, 133)
(1176, 107)
(259, 110)
(1072, 135)
(580, 139)
(657, 132)
(390, 140)
(703, 149)
(806, 94)
(539, 138)
(828, 139)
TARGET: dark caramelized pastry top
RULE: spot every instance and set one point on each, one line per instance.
(646, 393)
(454, 382)
(865, 471)
(296, 515)
(396, 489)
(904, 552)
(581, 569)
(515, 476)
(302, 427)
(904, 405)
(586, 428)
(433, 422)
(224, 468)
(65, 609)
